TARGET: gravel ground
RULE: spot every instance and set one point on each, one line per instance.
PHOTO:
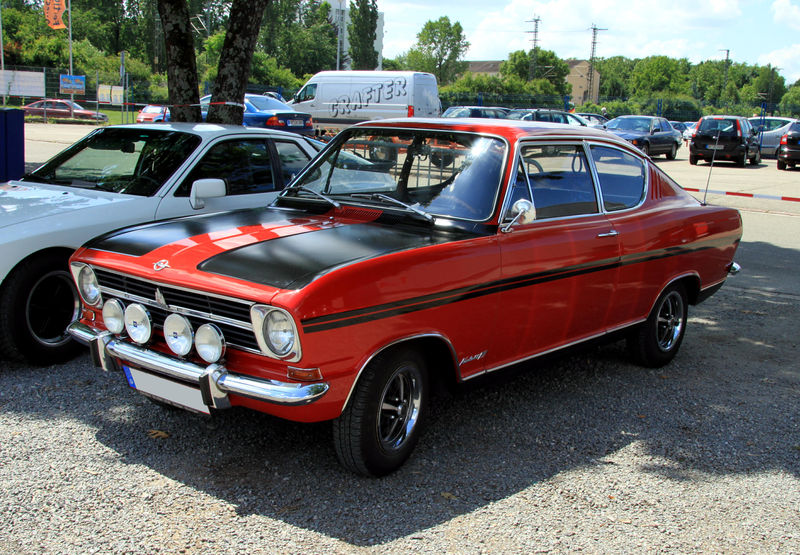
(584, 453)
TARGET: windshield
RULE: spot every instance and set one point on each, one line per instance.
(722, 125)
(629, 124)
(121, 160)
(439, 173)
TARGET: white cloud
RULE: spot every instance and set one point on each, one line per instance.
(787, 60)
(786, 12)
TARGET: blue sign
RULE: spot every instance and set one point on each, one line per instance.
(72, 84)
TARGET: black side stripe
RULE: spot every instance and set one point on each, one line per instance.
(406, 306)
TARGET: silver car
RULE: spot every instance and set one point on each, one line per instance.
(770, 129)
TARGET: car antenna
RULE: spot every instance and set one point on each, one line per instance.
(713, 157)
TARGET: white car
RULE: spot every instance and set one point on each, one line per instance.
(114, 177)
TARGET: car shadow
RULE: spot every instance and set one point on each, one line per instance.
(716, 410)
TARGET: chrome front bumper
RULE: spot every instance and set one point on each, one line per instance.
(214, 380)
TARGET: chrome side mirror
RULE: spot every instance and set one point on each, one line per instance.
(203, 189)
(523, 212)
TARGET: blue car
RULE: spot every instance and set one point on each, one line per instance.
(652, 135)
(269, 113)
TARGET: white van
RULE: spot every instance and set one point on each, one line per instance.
(337, 99)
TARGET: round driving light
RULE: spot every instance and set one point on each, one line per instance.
(279, 332)
(137, 323)
(178, 334)
(88, 286)
(114, 316)
(209, 343)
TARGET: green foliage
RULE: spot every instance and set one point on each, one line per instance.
(790, 103)
(439, 49)
(659, 75)
(548, 68)
(362, 33)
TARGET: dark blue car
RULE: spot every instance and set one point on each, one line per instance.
(652, 135)
(269, 113)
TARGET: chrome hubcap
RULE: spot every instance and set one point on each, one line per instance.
(669, 324)
(399, 408)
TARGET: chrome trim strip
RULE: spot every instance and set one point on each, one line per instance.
(397, 342)
(214, 377)
(241, 324)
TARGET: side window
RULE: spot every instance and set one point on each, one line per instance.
(293, 159)
(622, 177)
(307, 93)
(245, 165)
(560, 180)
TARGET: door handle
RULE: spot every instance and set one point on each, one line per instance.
(612, 233)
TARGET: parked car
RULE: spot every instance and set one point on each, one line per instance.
(358, 293)
(595, 120)
(153, 113)
(652, 135)
(678, 126)
(770, 130)
(116, 176)
(62, 109)
(789, 150)
(725, 138)
(475, 112)
(269, 113)
(546, 114)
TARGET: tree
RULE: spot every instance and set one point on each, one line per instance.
(660, 75)
(548, 66)
(361, 33)
(439, 49)
(244, 22)
(615, 74)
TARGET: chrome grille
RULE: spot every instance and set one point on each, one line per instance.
(232, 316)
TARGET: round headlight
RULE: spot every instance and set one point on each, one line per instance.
(137, 323)
(88, 286)
(114, 316)
(279, 332)
(209, 343)
(178, 334)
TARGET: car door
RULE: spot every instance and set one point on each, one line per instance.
(560, 269)
(623, 178)
(255, 169)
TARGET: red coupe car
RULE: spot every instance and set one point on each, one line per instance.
(376, 276)
(62, 109)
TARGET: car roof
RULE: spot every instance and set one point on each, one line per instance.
(507, 128)
(207, 130)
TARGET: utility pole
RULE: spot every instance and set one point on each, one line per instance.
(727, 63)
(595, 30)
(532, 69)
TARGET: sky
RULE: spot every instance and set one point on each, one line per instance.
(753, 31)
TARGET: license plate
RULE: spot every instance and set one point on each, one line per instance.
(170, 391)
(295, 123)
(715, 147)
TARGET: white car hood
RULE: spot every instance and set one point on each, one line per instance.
(26, 201)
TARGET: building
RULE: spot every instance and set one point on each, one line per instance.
(578, 77)
(490, 68)
(341, 17)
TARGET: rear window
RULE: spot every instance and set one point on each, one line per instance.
(723, 125)
(795, 128)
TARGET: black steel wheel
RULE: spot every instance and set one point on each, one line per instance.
(656, 342)
(37, 302)
(380, 426)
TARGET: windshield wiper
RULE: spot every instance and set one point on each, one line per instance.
(315, 193)
(387, 198)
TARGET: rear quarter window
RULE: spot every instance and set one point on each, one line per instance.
(621, 176)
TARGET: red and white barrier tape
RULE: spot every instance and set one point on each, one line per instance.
(746, 195)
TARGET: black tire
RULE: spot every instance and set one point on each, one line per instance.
(646, 149)
(442, 160)
(693, 159)
(781, 165)
(741, 161)
(380, 426)
(673, 152)
(656, 342)
(37, 301)
(756, 160)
